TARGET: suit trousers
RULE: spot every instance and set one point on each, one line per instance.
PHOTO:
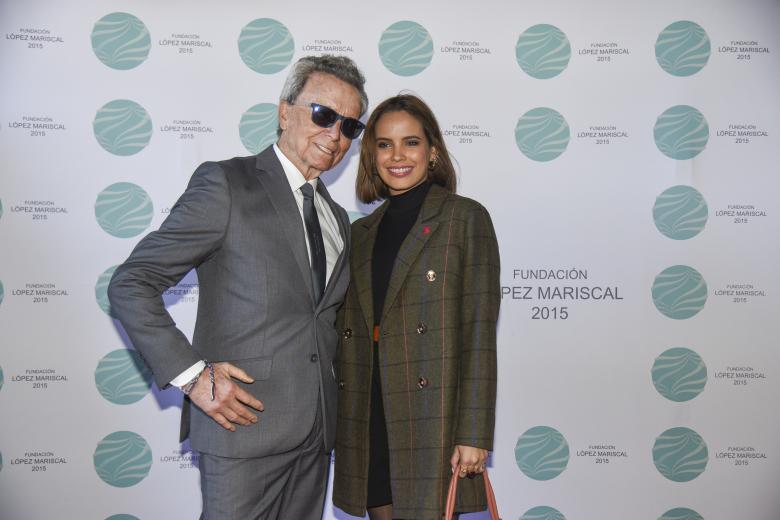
(284, 486)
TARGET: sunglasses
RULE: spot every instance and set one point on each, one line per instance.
(326, 117)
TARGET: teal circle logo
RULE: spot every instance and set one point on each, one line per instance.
(543, 51)
(542, 453)
(122, 517)
(122, 127)
(121, 41)
(543, 513)
(680, 454)
(123, 210)
(101, 290)
(122, 377)
(542, 134)
(2, 379)
(683, 48)
(681, 513)
(258, 127)
(266, 46)
(2, 292)
(681, 132)
(406, 48)
(679, 292)
(1, 461)
(680, 212)
(122, 459)
(1, 208)
(679, 374)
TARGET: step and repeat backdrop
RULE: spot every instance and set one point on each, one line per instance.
(627, 152)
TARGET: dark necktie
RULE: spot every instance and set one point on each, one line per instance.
(316, 245)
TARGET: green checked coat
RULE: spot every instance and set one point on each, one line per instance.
(437, 357)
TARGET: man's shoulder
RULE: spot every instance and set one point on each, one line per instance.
(229, 169)
(240, 163)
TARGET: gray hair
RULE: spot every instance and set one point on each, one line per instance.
(341, 67)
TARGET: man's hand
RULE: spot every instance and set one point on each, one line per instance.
(227, 408)
(471, 460)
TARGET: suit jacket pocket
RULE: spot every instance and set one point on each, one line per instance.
(259, 368)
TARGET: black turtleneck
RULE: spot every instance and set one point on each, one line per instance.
(398, 219)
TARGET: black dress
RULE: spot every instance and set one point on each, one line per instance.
(398, 219)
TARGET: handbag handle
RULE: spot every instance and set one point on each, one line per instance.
(453, 491)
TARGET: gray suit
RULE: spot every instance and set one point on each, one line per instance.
(238, 225)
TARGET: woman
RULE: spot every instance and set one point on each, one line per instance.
(417, 357)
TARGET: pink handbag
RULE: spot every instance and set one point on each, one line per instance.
(491, 497)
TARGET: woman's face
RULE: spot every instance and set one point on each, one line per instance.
(402, 152)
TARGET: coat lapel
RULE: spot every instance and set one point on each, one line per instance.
(422, 230)
(362, 256)
(272, 177)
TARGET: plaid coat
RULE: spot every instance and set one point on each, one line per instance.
(437, 348)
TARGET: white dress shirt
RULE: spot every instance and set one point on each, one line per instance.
(334, 243)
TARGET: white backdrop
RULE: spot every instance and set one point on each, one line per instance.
(625, 152)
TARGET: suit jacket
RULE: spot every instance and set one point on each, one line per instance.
(238, 224)
(437, 357)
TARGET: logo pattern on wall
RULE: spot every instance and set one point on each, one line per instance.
(122, 377)
(2, 379)
(543, 513)
(542, 453)
(543, 51)
(682, 48)
(681, 513)
(122, 127)
(406, 48)
(680, 212)
(266, 46)
(679, 374)
(680, 454)
(679, 292)
(101, 290)
(123, 210)
(681, 132)
(122, 459)
(542, 134)
(122, 517)
(121, 41)
(2, 292)
(258, 127)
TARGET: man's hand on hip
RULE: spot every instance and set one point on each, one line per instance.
(230, 403)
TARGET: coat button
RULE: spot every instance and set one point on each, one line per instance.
(422, 382)
(347, 333)
(421, 328)
(430, 275)
(314, 358)
(341, 385)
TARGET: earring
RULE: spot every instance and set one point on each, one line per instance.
(432, 163)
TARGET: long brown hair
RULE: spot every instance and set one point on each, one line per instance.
(369, 186)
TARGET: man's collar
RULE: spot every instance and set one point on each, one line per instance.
(293, 174)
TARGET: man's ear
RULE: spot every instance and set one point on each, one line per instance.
(284, 108)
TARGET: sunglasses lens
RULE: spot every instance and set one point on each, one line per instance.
(323, 116)
(351, 128)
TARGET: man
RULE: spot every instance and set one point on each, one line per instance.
(271, 251)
